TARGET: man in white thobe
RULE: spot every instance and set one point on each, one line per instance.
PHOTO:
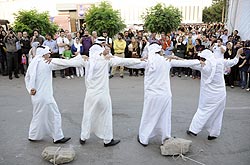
(212, 95)
(46, 118)
(156, 115)
(97, 116)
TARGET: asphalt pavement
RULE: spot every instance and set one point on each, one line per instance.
(231, 148)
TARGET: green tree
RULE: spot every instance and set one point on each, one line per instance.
(102, 17)
(160, 18)
(215, 12)
(29, 20)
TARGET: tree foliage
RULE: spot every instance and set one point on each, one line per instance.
(28, 20)
(214, 12)
(102, 17)
(160, 18)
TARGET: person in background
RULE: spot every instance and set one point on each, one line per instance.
(189, 55)
(243, 67)
(180, 49)
(153, 39)
(197, 49)
(119, 49)
(109, 41)
(128, 40)
(12, 57)
(94, 36)
(170, 46)
(37, 37)
(224, 37)
(86, 42)
(206, 42)
(77, 50)
(134, 52)
(162, 41)
(25, 45)
(218, 49)
(236, 37)
(3, 59)
(144, 44)
(19, 51)
(61, 41)
(71, 40)
(67, 54)
(53, 48)
(229, 72)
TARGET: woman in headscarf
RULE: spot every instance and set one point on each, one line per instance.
(212, 95)
(156, 115)
(134, 52)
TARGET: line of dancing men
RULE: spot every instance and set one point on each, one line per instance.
(97, 110)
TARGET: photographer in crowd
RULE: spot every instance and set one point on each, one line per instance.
(12, 57)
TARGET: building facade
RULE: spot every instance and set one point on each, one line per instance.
(69, 14)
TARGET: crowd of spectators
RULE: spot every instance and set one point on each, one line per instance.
(17, 49)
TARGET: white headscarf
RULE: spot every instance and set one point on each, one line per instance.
(100, 40)
(152, 50)
(209, 56)
(94, 54)
(32, 69)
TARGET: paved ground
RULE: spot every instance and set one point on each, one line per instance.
(231, 148)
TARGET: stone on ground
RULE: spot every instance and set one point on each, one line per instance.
(58, 155)
(175, 146)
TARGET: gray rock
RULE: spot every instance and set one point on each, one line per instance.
(58, 155)
(175, 146)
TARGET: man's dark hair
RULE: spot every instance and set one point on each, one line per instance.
(61, 30)
(49, 34)
(121, 34)
(219, 39)
(36, 30)
(247, 43)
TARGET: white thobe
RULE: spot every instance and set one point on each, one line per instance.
(46, 120)
(97, 116)
(156, 115)
(212, 98)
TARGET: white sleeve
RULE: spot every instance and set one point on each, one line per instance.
(28, 84)
(117, 61)
(57, 64)
(196, 67)
(142, 64)
(184, 63)
(232, 62)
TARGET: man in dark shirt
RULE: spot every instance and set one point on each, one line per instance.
(12, 58)
(25, 46)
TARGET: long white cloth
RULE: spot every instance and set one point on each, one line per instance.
(156, 115)
(212, 98)
(46, 120)
(97, 115)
